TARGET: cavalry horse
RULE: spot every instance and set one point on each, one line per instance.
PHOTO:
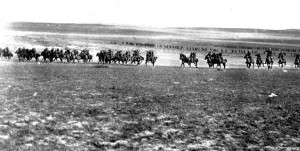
(209, 60)
(281, 62)
(150, 57)
(184, 59)
(269, 62)
(218, 59)
(46, 55)
(259, 62)
(249, 62)
(136, 57)
(126, 57)
(117, 57)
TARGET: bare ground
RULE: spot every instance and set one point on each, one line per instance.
(90, 107)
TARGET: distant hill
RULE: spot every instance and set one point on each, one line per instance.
(79, 28)
(187, 35)
(246, 30)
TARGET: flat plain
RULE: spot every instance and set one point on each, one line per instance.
(66, 106)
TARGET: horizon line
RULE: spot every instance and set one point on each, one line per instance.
(130, 25)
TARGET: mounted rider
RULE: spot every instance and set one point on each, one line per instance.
(258, 59)
(248, 55)
(280, 55)
(208, 55)
(44, 51)
(269, 54)
(85, 51)
(220, 57)
(67, 51)
(150, 53)
(136, 53)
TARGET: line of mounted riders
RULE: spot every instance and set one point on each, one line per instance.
(269, 60)
(212, 60)
(25, 54)
(104, 56)
(107, 56)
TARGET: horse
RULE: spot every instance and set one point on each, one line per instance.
(101, 56)
(150, 58)
(137, 59)
(117, 57)
(184, 59)
(281, 62)
(67, 55)
(193, 59)
(259, 62)
(36, 56)
(83, 56)
(249, 62)
(7, 54)
(90, 57)
(269, 62)
(209, 60)
(108, 56)
(46, 55)
(20, 54)
(218, 59)
(59, 54)
(126, 57)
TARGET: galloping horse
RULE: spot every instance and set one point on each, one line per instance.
(117, 57)
(193, 59)
(150, 58)
(126, 57)
(209, 61)
(46, 55)
(249, 62)
(136, 57)
(281, 62)
(259, 62)
(20, 54)
(218, 59)
(184, 59)
(269, 62)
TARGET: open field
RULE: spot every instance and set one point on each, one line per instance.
(89, 107)
(61, 106)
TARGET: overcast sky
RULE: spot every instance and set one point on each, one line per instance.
(265, 14)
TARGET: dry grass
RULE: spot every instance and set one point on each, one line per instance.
(80, 107)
